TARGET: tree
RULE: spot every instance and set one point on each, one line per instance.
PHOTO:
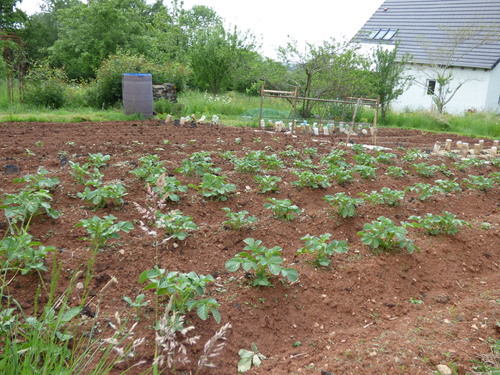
(216, 55)
(11, 18)
(93, 31)
(441, 57)
(331, 70)
(389, 80)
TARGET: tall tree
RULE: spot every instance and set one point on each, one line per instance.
(389, 75)
(216, 55)
(11, 17)
(330, 70)
(91, 32)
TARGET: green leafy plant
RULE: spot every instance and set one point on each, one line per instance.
(265, 262)
(385, 196)
(414, 154)
(238, 220)
(385, 157)
(383, 235)
(425, 170)
(185, 289)
(150, 168)
(38, 181)
(21, 252)
(321, 249)
(199, 163)
(215, 187)
(479, 183)
(138, 303)
(424, 191)
(249, 358)
(336, 158)
(268, 183)
(104, 195)
(343, 174)
(345, 205)
(448, 186)
(311, 179)
(436, 224)
(395, 172)
(101, 230)
(366, 172)
(283, 208)
(365, 159)
(167, 188)
(21, 207)
(175, 223)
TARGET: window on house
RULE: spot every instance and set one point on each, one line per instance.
(384, 34)
(431, 86)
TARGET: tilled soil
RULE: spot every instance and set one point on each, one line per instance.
(366, 313)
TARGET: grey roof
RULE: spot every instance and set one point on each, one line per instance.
(463, 33)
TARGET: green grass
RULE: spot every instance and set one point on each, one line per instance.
(482, 124)
(236, 109)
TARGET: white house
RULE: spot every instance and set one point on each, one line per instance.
(455, 39)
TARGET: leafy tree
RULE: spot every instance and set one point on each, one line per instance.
(216, 56)
(11, 18)
(41, 29)
(91, 32)
(330, 70)
(389, 79)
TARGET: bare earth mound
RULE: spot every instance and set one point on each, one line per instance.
(365, 313)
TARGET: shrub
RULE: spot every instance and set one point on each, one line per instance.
(45, 86)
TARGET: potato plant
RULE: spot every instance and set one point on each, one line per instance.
(263, 261)
(321, 249)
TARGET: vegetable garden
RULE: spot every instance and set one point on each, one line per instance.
(150, 247)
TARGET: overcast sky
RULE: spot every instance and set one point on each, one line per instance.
(274, 21)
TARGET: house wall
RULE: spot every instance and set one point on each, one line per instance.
(480, 91)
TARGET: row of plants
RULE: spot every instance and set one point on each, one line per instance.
(185, 292)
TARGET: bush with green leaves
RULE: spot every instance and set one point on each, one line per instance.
(424, 191)
(385, 157)
(344, 204)
(150, 168)
(425, 170)
(343, 174)
(395, 172)
(385, 196)
(45, 86)
(480, 183)
(263, 261)
(365, 171)
(383, 235)
(101, 230)
(21, 252)
(414, 154)
(199, 163)
(268, 183)
(437, 224)
(238, 220)
(336, 158)
(38, 181)
(310, 179)
(104, 195)
(185, 289)
(448, 186)
(321, 249)
(283, 208)
(248, 164)
(167, 188)
(175, 223)
(215, 187)
(21, 207)
(365, 159)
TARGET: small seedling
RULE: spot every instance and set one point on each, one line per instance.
(238, 220)
(249, 358)
(283, 208)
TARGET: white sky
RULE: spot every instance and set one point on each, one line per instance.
(274, 21)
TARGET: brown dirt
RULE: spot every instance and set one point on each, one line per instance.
(354, 317)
